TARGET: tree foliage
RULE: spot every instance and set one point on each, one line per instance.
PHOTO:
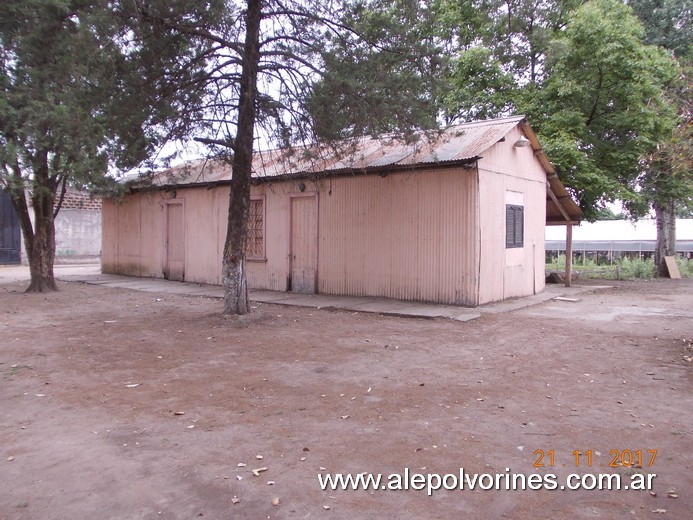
(520, 32)
(59, 91)
(497, 49)
(479, 88)
(667, 23)
(668, 177)
(379, 74)
(355, 61)
(589, 76)
(601, 109)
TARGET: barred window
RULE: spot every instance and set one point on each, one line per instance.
(255, 245)
(514, 225)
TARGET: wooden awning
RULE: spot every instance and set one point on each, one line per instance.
(561, 209)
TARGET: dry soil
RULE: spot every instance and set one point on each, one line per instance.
(117, 404)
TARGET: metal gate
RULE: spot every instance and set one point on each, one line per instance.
(10, 237)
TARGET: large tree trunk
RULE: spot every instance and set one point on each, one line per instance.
(233, 264)
(42, 253)
(39, 237)
(666, 234)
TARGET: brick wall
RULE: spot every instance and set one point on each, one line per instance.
(74, 200)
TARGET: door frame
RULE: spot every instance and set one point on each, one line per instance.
(316, 256)
(172, 202)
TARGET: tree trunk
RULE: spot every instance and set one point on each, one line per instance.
(666, 234)
(42, 256)
(39, 237)
(42, 251)
(234, 261)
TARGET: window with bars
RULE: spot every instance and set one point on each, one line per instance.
(514, 225)
(255, 245)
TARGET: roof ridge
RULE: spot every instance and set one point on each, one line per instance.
(455, 144)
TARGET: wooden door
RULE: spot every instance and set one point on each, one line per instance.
(175, 241)
(304, 244)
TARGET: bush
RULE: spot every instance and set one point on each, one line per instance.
(636, 268)
(622, 268)
(685, 266)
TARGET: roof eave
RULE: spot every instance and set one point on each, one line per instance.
(556, 191)
(301, 176)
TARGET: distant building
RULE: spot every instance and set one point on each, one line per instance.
(618, 238)
(77, 229)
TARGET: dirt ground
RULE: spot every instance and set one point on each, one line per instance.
(116, 404)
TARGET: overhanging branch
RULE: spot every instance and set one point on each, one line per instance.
(215, 142)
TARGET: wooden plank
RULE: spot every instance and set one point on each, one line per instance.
(557, 202)
(672, 267)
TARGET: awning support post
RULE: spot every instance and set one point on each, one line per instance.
(568, 254)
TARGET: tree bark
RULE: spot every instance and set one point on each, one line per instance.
(666, 234)
(42, 255)
(234, 261)
(39, 237)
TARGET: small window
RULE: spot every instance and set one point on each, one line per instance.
(255, 245)
(514, 225)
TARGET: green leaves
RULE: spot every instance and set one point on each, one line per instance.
(598, 96)
(479, 88)
(380, 75)
(668, 24)
(604, 90)
(57, 90)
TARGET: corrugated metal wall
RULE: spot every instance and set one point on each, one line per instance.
(507, 273)
(409, 236)
(132, 238)
(109, 233)
(435, 235)
(272, 273)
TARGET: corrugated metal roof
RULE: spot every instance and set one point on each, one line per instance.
(457, 143)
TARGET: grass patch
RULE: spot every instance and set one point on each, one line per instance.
(621, 269)
(685, 266)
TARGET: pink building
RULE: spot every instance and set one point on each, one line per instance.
(458, 218)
